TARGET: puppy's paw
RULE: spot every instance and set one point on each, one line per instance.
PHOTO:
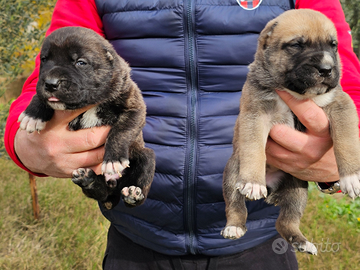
(114, 170)
(30, 124)
(111, 179)
(252, 191)
(351, 185)
(306, 247)
(132, 195)
(83, 177)
(233, 232)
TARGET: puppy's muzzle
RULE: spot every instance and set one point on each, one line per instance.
(325, 71)
(52, 84)
(326, 65)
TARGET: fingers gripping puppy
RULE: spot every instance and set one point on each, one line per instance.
(297, 53)
(80, 68)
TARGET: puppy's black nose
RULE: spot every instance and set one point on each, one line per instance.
(325, 71)
(52, 84)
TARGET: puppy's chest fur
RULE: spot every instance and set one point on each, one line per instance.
(281, 114)
(99, 115)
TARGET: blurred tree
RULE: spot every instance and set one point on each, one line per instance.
(22, 27)
(352, 14)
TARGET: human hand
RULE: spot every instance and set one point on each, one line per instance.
(56, 151)
(308, 156)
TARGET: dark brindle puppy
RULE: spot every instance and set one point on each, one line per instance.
(80, 68)
(297, 53)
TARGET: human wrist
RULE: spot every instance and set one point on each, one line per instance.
(328, 187)
(21, 154)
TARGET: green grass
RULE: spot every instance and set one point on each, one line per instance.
(71, 233)
(332, 223)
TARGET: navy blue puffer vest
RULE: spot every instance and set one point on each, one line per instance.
(189, 58)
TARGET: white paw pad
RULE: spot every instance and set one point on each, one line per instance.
(232, 232)
(252, 191)
(351, 185)
(132, 195)
(30, 124)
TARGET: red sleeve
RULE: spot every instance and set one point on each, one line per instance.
(66, 13)
(350, 80)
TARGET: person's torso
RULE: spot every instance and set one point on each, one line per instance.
(190, 60)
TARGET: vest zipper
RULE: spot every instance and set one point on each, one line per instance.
(190, 175)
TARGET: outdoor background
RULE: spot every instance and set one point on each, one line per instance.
(71, 232)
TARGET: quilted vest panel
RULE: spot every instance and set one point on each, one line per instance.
(189, 58)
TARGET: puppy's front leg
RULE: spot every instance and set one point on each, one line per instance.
(35, 116)
(252, 130)
(343, 119)
(120, 137)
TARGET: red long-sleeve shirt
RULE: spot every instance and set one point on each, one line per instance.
(83, 13)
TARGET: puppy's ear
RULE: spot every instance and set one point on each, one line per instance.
(266, 34)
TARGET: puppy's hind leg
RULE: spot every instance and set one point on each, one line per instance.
(137, 180)
(291, 196)
(236, 212)
(94, 186)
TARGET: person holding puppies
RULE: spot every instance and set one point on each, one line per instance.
(189, 58)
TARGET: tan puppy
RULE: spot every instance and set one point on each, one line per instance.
(297, 53)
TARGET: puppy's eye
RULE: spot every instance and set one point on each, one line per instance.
(80, 62)
(297, 45)
(43, 59)
(334, 44)
(293, 45)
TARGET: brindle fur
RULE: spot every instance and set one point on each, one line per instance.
(80, 68)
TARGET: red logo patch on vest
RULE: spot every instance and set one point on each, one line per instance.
(249, 5)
